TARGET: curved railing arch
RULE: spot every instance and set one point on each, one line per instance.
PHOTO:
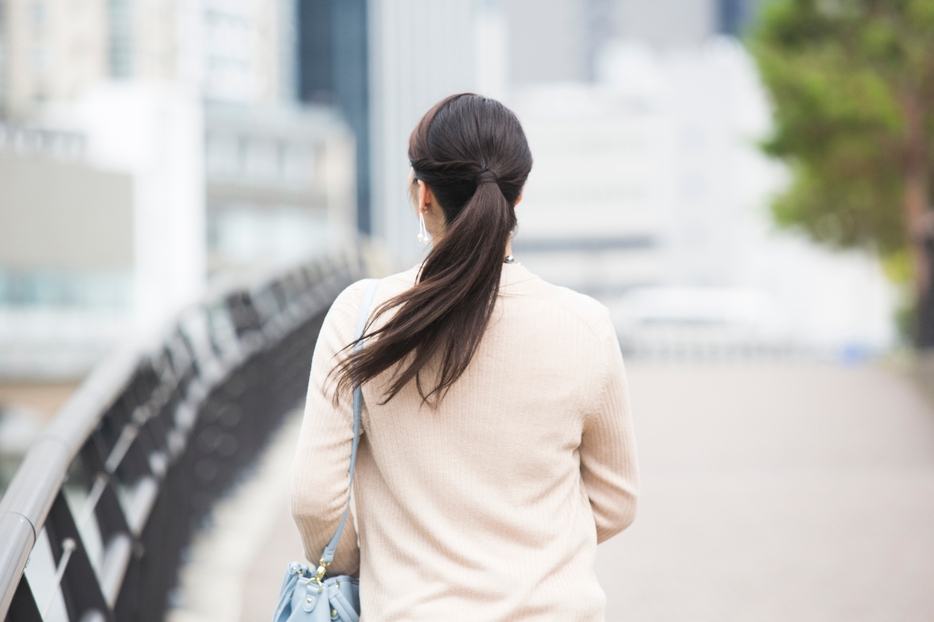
(118, 482)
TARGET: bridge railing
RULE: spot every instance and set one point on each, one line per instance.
(129, 468)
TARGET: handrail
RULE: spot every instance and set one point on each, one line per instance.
(39, 477)
(152, 436)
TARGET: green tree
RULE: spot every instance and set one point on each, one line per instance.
(852, 83)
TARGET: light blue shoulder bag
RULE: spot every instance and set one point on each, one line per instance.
(306, 596)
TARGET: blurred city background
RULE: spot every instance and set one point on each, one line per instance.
(155, 151)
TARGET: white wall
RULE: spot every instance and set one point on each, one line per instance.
(154, 131)
(547, 40)
(492, 48)
(666, 24)
(63, 215)
(420, 52)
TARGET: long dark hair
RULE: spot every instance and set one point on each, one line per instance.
(472, 153)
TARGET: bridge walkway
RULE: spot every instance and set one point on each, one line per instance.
(770, 492)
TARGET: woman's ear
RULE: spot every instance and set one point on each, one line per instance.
(434, 215)
(519, 198)
(426, 198)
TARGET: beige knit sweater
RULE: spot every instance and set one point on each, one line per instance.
(491, 506)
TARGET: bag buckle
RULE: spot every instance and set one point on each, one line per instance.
(319, 573)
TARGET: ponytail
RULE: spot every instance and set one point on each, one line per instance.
(473, 154)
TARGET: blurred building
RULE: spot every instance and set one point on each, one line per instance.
(146, 146)
(383, 64)
(66, 275)
(333, 69)
(168, 143)
(248, 134)
(421, 52)
(562, 40)
(650, 193)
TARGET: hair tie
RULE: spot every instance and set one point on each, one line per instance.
(486, 176)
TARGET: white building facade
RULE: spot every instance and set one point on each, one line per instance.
(195, 104)
(420, 52)
(649, 191)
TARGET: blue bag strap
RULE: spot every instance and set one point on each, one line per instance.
(328, 555)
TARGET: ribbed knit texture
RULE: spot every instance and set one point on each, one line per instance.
(490, 506)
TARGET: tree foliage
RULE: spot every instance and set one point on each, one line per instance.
(852, 83)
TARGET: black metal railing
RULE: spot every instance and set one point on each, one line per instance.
(115, 487)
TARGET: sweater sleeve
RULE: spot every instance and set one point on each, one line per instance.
(319, 482)
(607, 452)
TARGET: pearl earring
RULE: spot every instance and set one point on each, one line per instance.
(422, 230)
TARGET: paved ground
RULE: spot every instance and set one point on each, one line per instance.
(778, 493)
(769, 493)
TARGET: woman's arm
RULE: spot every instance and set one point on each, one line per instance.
(608, 452)
(319, 480)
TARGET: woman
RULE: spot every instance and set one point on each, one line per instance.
(497, 448)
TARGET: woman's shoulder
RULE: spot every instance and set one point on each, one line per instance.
(565, 302)
(398, 282)
(347, 303)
